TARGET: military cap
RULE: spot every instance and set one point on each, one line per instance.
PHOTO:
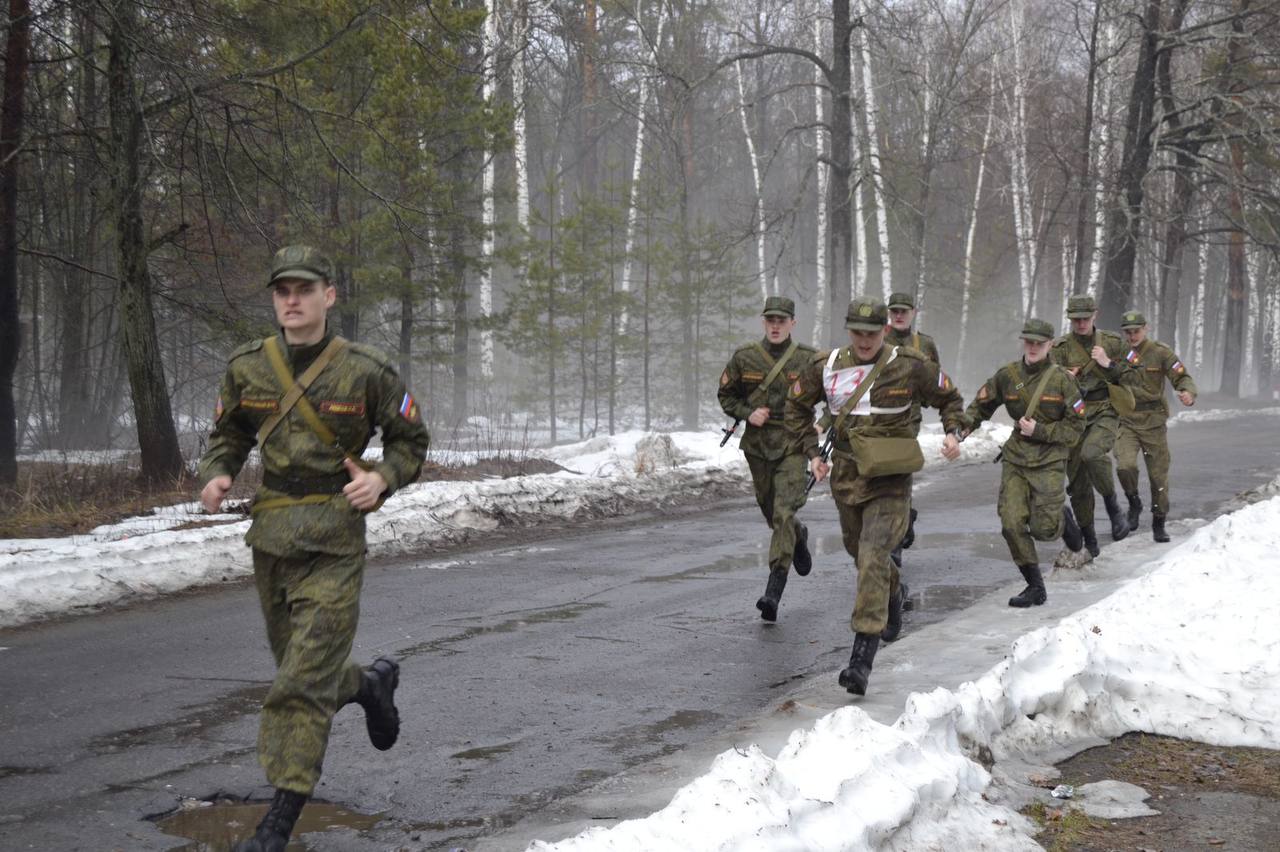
(866, 315)
(1080, 307)
(1132, 319)
(1037, 330)
(305, 262)
(901, 300)
(778, 306)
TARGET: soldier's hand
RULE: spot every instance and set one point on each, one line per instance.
(211, 495)
(758, 417)
(1100, 355)
(1026, 426)
(950, 447)
(819, 468)
(365, 487)
(1074, 371)
(1187, 397)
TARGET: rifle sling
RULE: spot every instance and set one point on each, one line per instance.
(295, 390)
(773, 373)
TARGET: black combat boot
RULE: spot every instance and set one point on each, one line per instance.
(1034, 594)
(1090, 540)
(768, 604)
(377, 696)
(1119, 526)
(274, 830)
(854, 677)
(802, 559)
(894, 627)
(910, 538)
(1072, 537)
(1157, 529)
(1135, 510)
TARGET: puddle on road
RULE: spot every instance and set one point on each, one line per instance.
(546, 616)
(218, 826)
(12, 771)
(193, 723)
(947, 598)
(485, 752)
(724, 565)
(648, 736)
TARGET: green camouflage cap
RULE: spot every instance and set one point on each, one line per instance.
(778, 306)
(1037, 330)
(901, 300)
(1132, 319)
(866, 315)
(305, 262)
(1080, 307)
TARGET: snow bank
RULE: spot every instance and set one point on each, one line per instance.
(1208, 415)
(1191, 649)
(147, 556)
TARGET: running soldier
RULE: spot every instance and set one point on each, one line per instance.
(870, 390)
(1146, 428)
(310, 401)
(1044, 401)
(1096, 359)
(753, 387)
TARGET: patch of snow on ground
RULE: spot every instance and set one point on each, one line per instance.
(1179, 651)
(1206, 415)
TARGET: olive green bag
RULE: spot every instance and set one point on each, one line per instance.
(876, 456)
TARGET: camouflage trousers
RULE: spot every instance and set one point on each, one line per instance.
(1089, 467)
(1154, 444)
(311, 604)
(871, 529)
(1030, 508)
(779, 487)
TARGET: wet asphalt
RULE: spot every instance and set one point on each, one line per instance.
(531, 670)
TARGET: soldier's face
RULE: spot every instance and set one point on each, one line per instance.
(1084, 325)
(1135, 335)
(1035, 351)
(901, 318)
(778, 329)
(301, 307)
(867, 344)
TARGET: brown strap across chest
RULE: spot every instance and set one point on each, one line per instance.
(296, 389)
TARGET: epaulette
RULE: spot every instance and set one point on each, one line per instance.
(373, 353)
(251, 346)
(911, 352)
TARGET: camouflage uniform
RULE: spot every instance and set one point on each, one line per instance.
(308, 552)
(777, 473)
(1146, 428)
(873, 511)
(1034, 468)
(1089, 467)
(924, 344)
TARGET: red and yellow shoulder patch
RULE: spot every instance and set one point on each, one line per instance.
(409, 408)
(983, 393)
(724, 378)
(218, 410)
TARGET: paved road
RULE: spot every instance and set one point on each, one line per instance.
(530, 672)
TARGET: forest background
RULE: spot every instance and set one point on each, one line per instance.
(569, 213)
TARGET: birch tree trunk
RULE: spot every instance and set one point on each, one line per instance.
(1022, 220)
(966, 286)
(637, 166)
(1102, 161)
(839, 192)
(819, 144)
(488, 50)
(873, 160)
(758, 223)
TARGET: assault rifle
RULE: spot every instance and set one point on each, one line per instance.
(824, 454)
(728, 433)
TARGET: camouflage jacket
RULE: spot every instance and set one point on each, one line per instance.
(917, 340)
(1153, 362)
(1072, 351)
(358, 391)
(1059, 415)
(738, 397)
(886, 410)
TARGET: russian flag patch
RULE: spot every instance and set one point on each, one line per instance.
(1178, 368)
(943, 382)
(408, 408)
(1132, 357)
(1078, 406)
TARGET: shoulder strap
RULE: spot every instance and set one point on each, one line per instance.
(1035, 396)
(915, 340)
(773, 373)
(863, 387)
(295, 390)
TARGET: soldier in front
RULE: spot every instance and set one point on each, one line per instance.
(1044, 401)
(1096, 359)
(310, 401)
(753, 387)
(870, 390)
(1146, 428)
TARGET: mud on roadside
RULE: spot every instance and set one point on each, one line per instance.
(1208, 797)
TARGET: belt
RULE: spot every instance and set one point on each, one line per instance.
(301, 487)
(1149, 405)
(1097, 394)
